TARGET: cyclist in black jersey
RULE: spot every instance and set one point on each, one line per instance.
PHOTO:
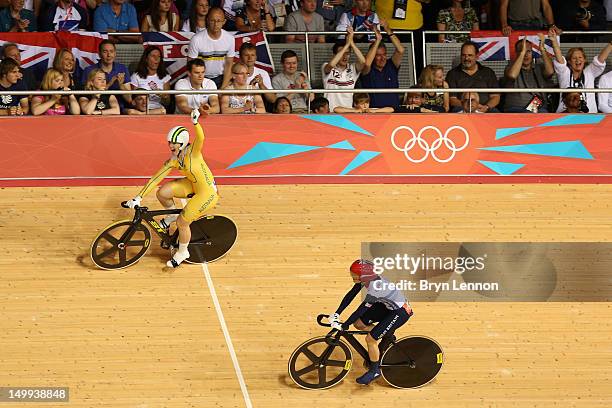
(383, 311)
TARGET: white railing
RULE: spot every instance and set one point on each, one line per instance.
(307, 91)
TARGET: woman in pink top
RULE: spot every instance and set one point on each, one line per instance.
(54, 104)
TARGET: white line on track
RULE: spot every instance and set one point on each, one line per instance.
(228, 339)
(272, 176)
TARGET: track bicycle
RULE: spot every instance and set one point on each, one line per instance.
(324, 361)
(124, 242)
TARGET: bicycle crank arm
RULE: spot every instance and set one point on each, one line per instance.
(201, 242)
(410, 364)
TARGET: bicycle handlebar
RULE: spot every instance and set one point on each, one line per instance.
(324, 316)
(320, 318)
(124, 205)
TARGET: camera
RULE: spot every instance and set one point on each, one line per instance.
(583, 14)
(584, 108)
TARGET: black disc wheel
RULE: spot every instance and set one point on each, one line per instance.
(412, 362)
(211, 238)
(109, 251)
(320, 363)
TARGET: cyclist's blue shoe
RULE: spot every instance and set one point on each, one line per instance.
(369, 376)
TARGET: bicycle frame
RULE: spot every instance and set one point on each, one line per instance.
(143, 213)
(350, 338)
(349, 335)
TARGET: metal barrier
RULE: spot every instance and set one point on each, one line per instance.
(304, 91)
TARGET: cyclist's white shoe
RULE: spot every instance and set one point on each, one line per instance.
(179, 256)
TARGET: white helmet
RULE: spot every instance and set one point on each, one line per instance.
(179, 135)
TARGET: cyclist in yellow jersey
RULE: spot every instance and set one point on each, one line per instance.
(187, 159)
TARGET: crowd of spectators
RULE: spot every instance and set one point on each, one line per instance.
(214, 63)
(306, 15)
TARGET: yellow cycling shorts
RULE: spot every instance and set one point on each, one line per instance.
(198, 205)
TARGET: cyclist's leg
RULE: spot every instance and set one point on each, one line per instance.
(374, 314)
(368, 321)
(196, 208)
(389, 338)
(385, 327)
(165, 194)
(360, 325)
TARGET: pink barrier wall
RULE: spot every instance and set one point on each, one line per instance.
(315, 148)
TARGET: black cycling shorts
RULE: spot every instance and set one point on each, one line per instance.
(394, 320)
(376, 313)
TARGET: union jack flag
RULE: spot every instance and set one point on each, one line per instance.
(84, 45)
(264, 59)
(174, 49)
(38, 49)
(494, 46)
(535, 44)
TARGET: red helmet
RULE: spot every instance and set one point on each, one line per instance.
(362, 270)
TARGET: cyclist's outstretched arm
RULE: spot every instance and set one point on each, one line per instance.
(198, 142)
(157, 177)
(348, 298)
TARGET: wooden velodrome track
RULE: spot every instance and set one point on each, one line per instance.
(147, 337)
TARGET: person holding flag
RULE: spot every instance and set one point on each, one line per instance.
(524, 72)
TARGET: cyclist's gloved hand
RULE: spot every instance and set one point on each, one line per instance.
(333, 317)
(337, 326)
(134, 202)
(195, 115)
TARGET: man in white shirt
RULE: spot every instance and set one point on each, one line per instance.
(216, 47)
(196, 80)
(258, 77)
(339, 73)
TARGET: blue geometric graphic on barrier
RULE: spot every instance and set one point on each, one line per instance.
(343, 145)
(361, 158)
(580, 119)
(505, 132)
(337, 121)
(572, 149)
(568, 120)
(503, 168)
(263, 151)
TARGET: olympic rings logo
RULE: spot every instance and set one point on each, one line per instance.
(417, 139)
